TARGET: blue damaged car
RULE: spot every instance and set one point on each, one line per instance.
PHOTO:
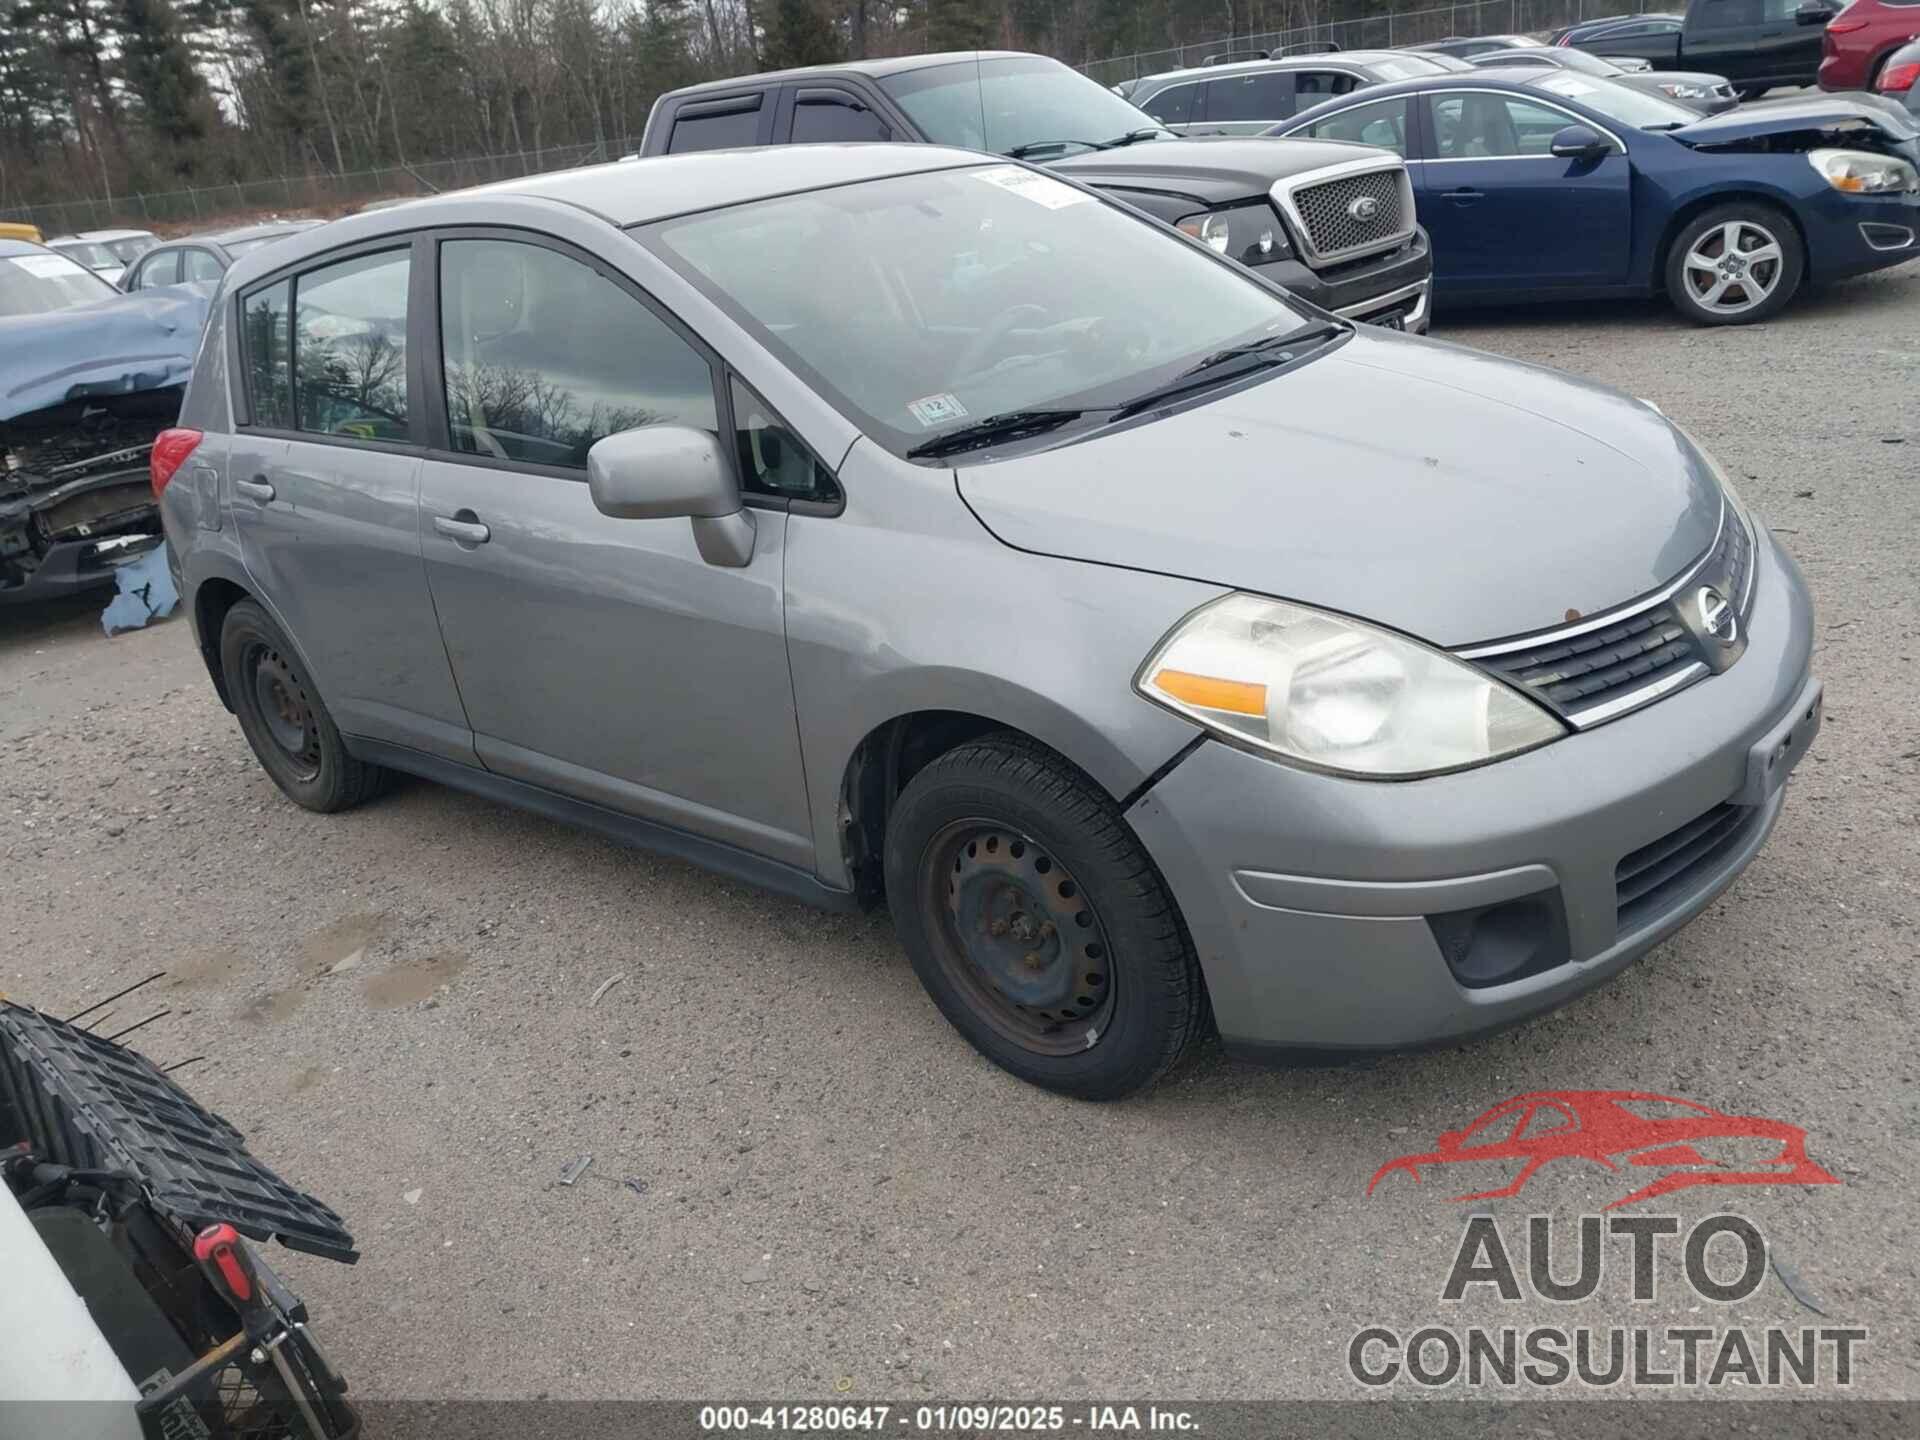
(1559, 185)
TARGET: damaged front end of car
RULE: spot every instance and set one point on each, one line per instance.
(83, 394)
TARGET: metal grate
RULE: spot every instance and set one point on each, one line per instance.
(1657, 877)
(1355, 212)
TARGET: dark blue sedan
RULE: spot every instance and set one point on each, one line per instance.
(1555, 185)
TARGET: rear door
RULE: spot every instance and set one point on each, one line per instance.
(1505, 214)
(323, 475)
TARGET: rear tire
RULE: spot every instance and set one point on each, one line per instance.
(1038, 923)
(281, 714)
(1735, 264)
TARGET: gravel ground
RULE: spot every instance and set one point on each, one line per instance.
(805, 1184)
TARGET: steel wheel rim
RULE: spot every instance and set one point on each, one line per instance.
(1734, 267)
(286, 714)
(1015, 933)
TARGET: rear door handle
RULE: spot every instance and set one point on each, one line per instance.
(463, 528)
(258, 488)
(1464, 196)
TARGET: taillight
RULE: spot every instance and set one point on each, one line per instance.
(170, 451)
(1899, 77)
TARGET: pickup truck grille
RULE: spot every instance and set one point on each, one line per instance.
(1343, 212)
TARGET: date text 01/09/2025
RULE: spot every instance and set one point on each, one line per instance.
(944, 1419)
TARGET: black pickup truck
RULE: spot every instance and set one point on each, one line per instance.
(1332, 222)
(1757, 44)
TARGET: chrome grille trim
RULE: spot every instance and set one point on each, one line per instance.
(1286, 195)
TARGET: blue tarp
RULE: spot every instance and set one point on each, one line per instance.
(143, 591)
(143, 341)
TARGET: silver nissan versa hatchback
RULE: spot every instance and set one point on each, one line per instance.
(894, 524)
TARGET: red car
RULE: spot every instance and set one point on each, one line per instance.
(1859, 39)
(1622, 1129)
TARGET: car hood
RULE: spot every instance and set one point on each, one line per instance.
(142, 341)
(1800, 112)
(1217, 168)
(1457, 496)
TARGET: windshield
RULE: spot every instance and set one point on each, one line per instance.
(36, 284)
(131, 248)
(88, 253)
(1580, 60)
(1616, 101)
(1004, 105)
(959, 295)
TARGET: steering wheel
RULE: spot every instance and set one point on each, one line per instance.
(997, 330)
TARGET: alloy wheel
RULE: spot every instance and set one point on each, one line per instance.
(1734, 267)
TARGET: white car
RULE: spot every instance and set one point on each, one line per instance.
(105, 252)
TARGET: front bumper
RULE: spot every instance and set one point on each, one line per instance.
(72, 566)
(1311, 898)
(1391, 286)
(1854, 234)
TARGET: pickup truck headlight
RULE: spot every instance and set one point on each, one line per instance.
(1862, 172)
(1335, 694)
(1250, 234)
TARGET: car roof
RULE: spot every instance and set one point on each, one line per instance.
(875, 69)
(1317, 60)
(108, 235)
(264, 230)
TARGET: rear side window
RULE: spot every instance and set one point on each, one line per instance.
(544, 356)
(265, 332)
(1250, 97)
(716, 129)
(350, 348)
(1173, 105)
(828, 116)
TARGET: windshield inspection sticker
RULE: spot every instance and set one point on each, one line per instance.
(936, 410)
(48, 267)
(1041, 189)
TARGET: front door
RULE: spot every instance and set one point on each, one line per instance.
(604, 659)
(321, 479)
(1503, 212)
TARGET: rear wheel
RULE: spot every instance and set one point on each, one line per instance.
(1038, 923)
(281, 714)
(1735, 264)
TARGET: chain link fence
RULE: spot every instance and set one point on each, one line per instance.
(300, 192)
(1367, 32)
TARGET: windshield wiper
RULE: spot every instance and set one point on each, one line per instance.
(1132, 137)
(1021, 152)
(1012, 425)
(1268, 350)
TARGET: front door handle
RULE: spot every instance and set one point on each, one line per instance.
(463, 527)
(258, 488)
(1464, 196)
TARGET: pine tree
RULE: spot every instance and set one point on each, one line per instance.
(798, 33)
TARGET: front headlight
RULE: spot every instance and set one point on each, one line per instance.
(1250, 234)
(1683, 92)
(1337, 694)
(1861, 172)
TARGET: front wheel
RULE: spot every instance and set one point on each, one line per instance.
(1735, 264)
(1038, 923)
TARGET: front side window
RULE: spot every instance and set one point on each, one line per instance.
(1028, 104)
(1480, 125)
(1313, 86)
(833, 116)
(1382, 123)
(1173, 105)
(266, 333)
(773, 461)
(161, 269)
(961, 294)
(1255, 96)
(350, 348)
(545, 355)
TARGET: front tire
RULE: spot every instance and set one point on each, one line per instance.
(1038, 923)
(281, 714)
(1734, 265)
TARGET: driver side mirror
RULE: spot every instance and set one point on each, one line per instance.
(1579, 142)
(660, 472)
(1814, 13)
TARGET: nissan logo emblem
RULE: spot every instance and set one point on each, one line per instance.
(1365, 207)
(1716, 615)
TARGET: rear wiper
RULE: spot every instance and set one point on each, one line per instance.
(1011, 425)
(1270, 350)
(1021, 152)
